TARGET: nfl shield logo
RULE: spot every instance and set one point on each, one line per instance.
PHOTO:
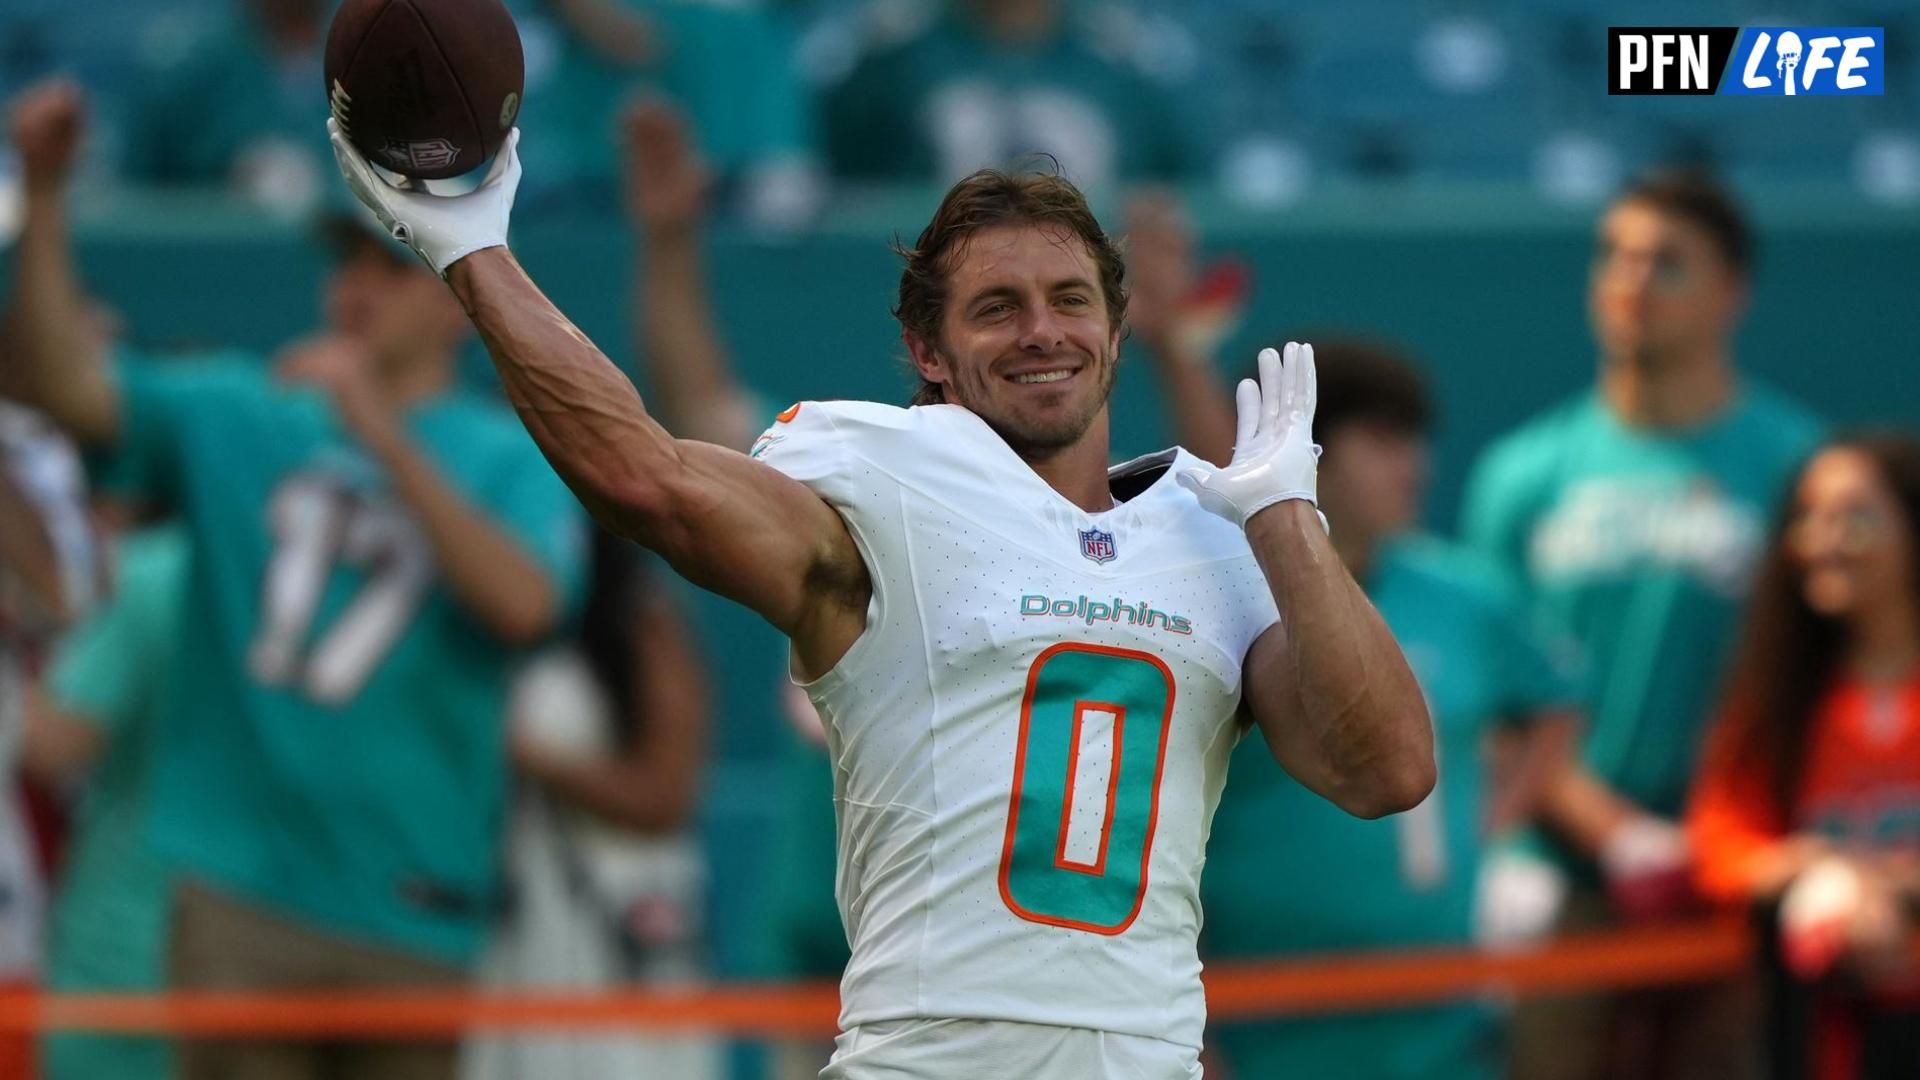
(1096, 545)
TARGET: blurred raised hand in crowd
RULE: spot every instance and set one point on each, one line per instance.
(697, 395)
(667, 187)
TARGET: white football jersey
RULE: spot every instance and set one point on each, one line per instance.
(1031, 735)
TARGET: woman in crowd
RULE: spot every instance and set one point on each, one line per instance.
(1808, 806)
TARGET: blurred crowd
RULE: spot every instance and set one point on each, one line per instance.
(317, 677)
(799, 99)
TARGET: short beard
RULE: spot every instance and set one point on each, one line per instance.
(1033, 445)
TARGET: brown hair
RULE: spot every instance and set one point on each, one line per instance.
(987, 198)
(1367, 381)
(1700, 200)
(1789, 653)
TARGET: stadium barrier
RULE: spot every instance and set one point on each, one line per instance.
(1614, 959)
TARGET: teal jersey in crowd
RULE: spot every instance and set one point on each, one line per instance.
(729, 67)
(1641, 544)
(335, 730)
(949, 101)
(1289, 873)
(108, 929)
(213, 100)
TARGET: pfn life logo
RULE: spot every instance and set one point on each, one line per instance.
(1788, 61)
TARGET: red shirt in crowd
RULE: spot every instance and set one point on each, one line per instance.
(1859, 788)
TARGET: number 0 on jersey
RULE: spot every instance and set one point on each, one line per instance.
(1086, 787)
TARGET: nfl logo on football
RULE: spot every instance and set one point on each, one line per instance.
(1097, 545)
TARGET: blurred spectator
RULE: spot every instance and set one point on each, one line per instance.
(606, 875)
(95, 725)
(235, 106)
(698, 396)
(1488, 672)
(730, 65)
(1810, 794)
(372, 551)
(986, 82)
(46, 576)
(1634, 514)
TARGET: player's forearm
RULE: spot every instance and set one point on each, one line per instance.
(59, 366)
(1363, 717)
(1199, 404)
(488, 572)
(582, 411)
(694, 389)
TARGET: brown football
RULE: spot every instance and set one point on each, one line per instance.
(426, 88)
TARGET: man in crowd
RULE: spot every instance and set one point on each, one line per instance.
(1493, 678)
(371, 551)
(1634, 514)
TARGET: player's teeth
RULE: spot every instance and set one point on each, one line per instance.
(1042, 376)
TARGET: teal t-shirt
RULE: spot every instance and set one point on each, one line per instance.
(949, 101)
(334, 729)
(212, 99)
(1288, 873)
(1641, 544)
(729, 67)
(108, 926)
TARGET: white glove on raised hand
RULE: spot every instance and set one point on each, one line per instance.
(1274, 458)
(441, 229)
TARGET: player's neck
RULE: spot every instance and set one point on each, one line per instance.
(1668, 396)
(1079, 472)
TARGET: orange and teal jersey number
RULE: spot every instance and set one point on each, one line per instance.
(1086, 787)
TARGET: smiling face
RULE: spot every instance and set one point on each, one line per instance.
(1853, 544)
(1026, 341)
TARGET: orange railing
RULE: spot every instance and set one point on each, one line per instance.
(1646, 956)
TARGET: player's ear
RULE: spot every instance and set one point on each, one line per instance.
(926, 358)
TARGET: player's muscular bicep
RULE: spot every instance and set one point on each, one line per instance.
(755, 535)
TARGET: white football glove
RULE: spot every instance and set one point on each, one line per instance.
(441, 229)
(1274, 457)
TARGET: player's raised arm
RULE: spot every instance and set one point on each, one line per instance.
(1328, 684)
(722, 520)
(57, 362)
